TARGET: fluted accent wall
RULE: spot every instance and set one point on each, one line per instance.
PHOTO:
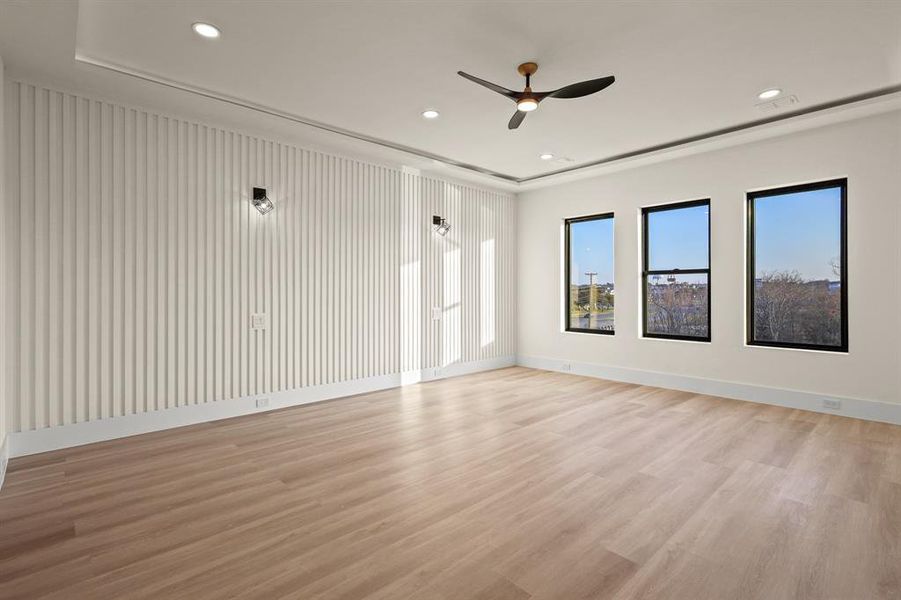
(138, 260)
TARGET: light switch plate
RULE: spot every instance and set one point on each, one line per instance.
(258, 321)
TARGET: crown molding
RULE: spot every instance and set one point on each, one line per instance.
(847, 109)
(883, 100)
(434, 161)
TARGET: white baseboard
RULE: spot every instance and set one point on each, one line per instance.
(870, 410)
(66, 436)
(53, 438)
(4, 459)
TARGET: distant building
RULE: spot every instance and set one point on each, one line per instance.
(832, 287)
(596, 296)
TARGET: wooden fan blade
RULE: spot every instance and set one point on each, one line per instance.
(491, 86)
(516, 119)
(583, 88)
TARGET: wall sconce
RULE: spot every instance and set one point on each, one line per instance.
(440, 224)
(262, 202)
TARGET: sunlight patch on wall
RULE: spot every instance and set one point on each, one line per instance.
(450, 318)
(488, 304)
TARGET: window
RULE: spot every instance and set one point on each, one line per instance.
(797, 267)
(676, 271)
(589, 274)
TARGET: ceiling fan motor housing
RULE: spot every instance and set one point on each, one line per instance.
(528, 68)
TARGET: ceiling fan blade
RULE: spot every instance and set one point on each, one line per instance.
(583, 88)
(516, 119)
(491, 86)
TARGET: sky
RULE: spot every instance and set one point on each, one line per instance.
(677, 239)
(591, 244)
(800, 232)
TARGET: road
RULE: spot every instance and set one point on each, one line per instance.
(596, 321)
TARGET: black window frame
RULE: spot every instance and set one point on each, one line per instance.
(566, 268)
(750, 279)
(645, 272)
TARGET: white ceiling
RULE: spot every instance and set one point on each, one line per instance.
(682, 68)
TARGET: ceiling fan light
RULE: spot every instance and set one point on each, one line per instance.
(527, 105)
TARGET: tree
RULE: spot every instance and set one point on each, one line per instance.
(677, 308)
(788, 308)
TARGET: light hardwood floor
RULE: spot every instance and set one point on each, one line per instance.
(512, 484)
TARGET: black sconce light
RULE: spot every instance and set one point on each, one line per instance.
(261, 201)
(440, 224)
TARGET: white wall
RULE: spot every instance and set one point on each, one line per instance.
(4, 282)
(135, 261)
(866, 151)
(138, 261)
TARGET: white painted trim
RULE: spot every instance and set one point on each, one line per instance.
(870, 410)
(464, 170)
(354, 150)
(791, 125)
(845, 110)
(25, 443)
(4, 459)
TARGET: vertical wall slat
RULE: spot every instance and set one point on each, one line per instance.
(54, 274)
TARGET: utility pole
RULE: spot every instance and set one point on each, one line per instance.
(592, 292)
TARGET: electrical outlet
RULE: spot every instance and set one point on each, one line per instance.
(262, 402)
(832, 404)
(436, 313)
(258, 321)
(566, 367)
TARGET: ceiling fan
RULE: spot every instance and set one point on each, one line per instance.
(527, 100)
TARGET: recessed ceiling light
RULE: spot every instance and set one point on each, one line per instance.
(430, 114)
(206, 30)
(546, 156)
(769, 94)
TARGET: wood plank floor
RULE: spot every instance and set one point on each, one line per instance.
(513, 484)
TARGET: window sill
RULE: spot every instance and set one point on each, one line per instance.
(670, 339)
(788, 349)
(593, 333)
